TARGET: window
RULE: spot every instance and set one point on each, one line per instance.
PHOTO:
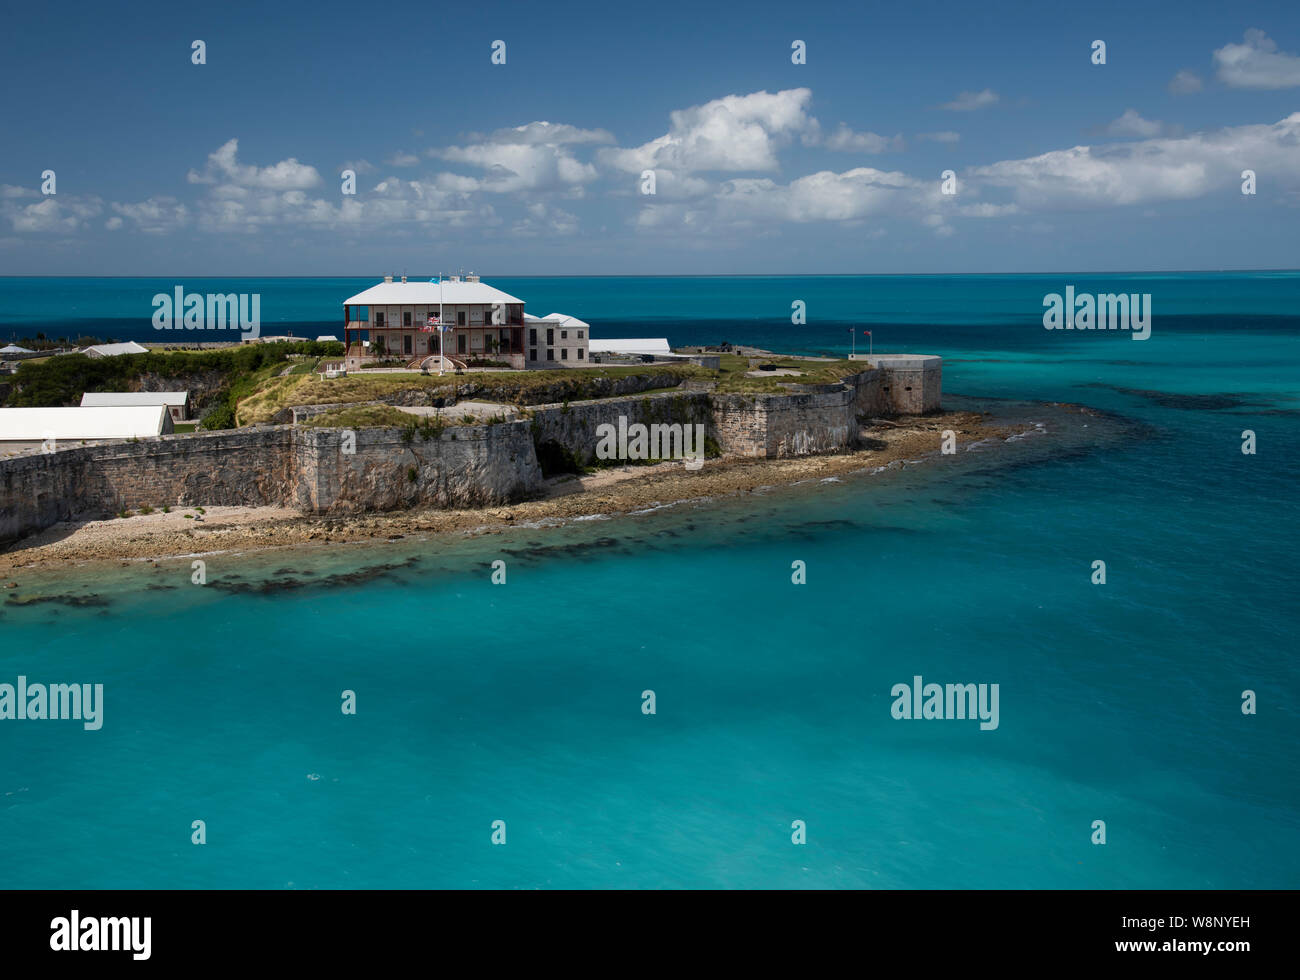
(379, 318)
(550, 337)
(564, 353)
(406, 318)
(580, 353)
(532, 335)
(532, 353)
(550, 354)
(579, 334)
(564, 335)
(460, 318)
(406, 343)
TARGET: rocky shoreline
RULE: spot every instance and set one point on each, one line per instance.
(193, 531)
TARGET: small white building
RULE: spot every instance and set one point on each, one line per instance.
(556, 340)
(177, 402)
(115, 350)
(25, 429)
(14, 349)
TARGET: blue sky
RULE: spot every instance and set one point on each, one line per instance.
(165, 167)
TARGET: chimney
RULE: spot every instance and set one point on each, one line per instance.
(388, 278)
(403, 278)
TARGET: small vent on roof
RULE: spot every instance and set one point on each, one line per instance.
(388, 278)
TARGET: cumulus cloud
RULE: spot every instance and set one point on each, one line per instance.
(224, 168)
(521, 166)
(1256, 63)
(944, 136)
(1132, 124)
(846, 139)
(734, 133)
(1149, 170)
(55, 213)
(970, 101)
(157, 215)
(557, 134)
(1185, 82)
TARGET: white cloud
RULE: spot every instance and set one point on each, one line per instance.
(1185, 82)
(61, 212)
(969, 101)
(1257, 63)
(543, 219)
(823, 196)
(945, 136)
(556, 134)
(522, 166)
(846, 139)
(223, 168)
(157, 215)
(1132, 124)
(1149, 170)
(13, 190)
(734, 133)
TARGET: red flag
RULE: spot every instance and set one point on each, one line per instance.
(867, 332)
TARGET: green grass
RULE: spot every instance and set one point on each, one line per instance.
(360, 417)
(514, 387)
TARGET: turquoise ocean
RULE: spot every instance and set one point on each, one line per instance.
(522, 702)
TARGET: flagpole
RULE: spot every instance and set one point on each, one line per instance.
(442, 334)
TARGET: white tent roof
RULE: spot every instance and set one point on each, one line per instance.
(642, 345)
(430, 294)
(112, 350)
(15, 349)
(325, 337)
(38, 424)
(104, 399)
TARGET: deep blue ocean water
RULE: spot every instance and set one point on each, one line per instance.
(522, 702)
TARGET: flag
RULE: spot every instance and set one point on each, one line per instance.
(867, 332)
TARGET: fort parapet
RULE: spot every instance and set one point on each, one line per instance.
(461, 466)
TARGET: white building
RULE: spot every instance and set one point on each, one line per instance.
(23, 429)
(556, 340)
(114, 350)
(177, 402)
(407, 320)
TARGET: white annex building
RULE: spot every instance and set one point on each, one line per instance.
(177, 402)
(114, 350)
(25, 429)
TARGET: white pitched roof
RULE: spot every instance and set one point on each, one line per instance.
(112, 350)
(564, 320)
(101, 399)
(38, 424)
(642, 345)
(429, 294)
(15, 349)
(325, 337)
